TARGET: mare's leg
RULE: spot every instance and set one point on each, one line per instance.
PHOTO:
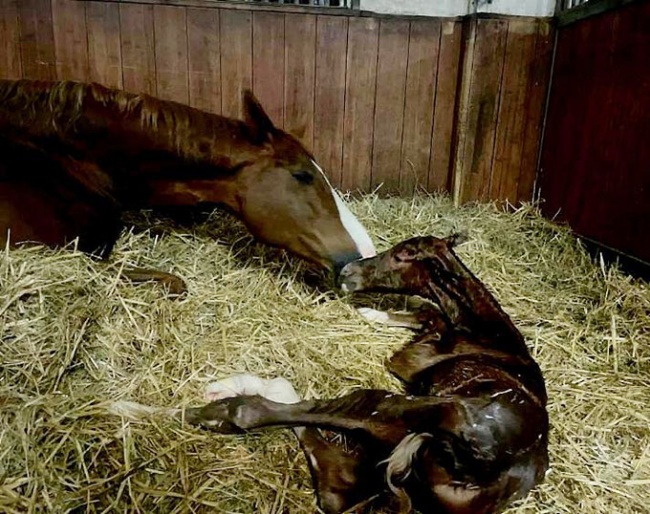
(173, 283)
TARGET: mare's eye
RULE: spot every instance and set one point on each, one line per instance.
(303, 176)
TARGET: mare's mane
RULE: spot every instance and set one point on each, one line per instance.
(60, 107)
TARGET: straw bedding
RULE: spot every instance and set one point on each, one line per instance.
(74, 336)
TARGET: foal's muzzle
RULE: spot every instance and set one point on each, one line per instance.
(340, 261)
(350, 278)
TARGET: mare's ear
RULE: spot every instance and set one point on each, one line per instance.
(257, 120)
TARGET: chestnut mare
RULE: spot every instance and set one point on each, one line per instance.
(74, 156)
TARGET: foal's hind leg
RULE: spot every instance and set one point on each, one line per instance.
(342, 478)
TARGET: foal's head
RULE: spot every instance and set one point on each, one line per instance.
(404, 268)
(286, 200)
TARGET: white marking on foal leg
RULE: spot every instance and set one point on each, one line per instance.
(236, 385)
(277, 390)
(388, 318)
(353, 226)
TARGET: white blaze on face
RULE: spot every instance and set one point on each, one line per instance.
(353, 226)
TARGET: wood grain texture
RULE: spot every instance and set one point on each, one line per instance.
(536, 93)
(479, 120)
(329, 94)
(268, 63)
(300, 76)
(70, 40)
(204, 59)
(170, 29)
(361, 75)
(104, 43)
(449, 64)
(389, 109)
(37, 39)
(138, 48)
(512, 112)
(10, 64)
(422, 72)
(236, 59)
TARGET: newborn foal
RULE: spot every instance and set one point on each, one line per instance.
(470, 436)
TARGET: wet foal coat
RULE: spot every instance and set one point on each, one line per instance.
(468, 437)
(73, 156)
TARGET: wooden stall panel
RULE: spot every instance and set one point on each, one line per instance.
(389, 109)
(445, 105)
(236, 59)
(138, 48)
(513, 103)
(70, 40)
(10, 65)
(596, 155)
(104, 46)
(361, 75)
(299, 79)
(478, 114)
(422, 71)
(536, 93)
(204, 59)
(37, 39)
(170, 29)
(329, 94)
(268, 63)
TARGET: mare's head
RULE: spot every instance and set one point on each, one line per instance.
(285, 199)
(404, 268)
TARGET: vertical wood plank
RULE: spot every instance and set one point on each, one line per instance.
(10, 65)
(268, 63)
(236, 60)
(37, 39)
(70, 40)
(170, 29)
(422, 71)
(204, 59)
(474, 157)
(361, 75)
(510, 129)
(445, 106)
(536, 99)
(104, 52)
(329, 94)
(138, 52)
(300, 66)
(389, 110)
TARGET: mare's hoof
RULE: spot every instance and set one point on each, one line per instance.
(174, 285)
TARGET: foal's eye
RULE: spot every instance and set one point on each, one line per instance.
(303, 176)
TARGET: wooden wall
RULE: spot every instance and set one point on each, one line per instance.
(595, 166)
(410, 103)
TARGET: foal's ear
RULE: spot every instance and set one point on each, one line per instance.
(457, 239)
(256, 118)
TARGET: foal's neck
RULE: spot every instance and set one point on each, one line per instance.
(468, 305)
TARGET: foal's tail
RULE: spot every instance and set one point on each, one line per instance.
(399, 466)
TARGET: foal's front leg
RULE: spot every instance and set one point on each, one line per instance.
(343, 479)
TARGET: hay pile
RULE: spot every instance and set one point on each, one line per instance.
(74, 336)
